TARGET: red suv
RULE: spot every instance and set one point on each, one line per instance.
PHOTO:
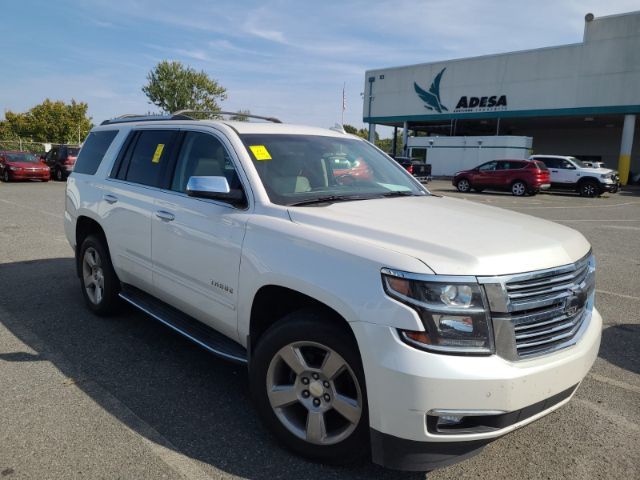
(61, 159)
(520, 177)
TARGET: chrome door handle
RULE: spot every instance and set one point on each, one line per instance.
(554, 171)
(110, 198)
(165, 216)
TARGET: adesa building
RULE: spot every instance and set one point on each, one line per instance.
(580, 99)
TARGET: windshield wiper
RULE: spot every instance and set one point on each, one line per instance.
(329, 199)
(399, 193)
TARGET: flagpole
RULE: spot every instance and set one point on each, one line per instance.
(343, 101)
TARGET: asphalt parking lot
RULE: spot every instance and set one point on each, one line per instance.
(124, 397)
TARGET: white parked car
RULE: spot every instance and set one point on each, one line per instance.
(569, 173)
(373, 317)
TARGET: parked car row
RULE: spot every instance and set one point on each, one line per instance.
(22, 166)
(57, 164)
(539, 172)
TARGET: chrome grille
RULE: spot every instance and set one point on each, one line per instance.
(542, 311)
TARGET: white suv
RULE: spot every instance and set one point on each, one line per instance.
(374, 317)
(569, 173)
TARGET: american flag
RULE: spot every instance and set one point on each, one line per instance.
(344, 101)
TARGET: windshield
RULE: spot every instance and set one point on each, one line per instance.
(303, 169)
(21, 157)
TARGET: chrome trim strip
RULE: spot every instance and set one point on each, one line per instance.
(241, 360)
(439, 412)
(424, 277)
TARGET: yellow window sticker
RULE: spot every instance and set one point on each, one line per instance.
(260, 152)
(158, 153)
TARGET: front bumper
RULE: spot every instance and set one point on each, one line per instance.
(612, 187)
(404, 383)
(28, 175)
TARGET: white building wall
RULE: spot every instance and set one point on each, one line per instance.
(448, 155)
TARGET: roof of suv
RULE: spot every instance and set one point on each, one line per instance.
(239, 127)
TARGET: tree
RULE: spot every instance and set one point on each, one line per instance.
(173, 86)
(241, 116)
(50, 121)
(362, 132)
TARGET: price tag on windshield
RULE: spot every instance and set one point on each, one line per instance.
(260, 152)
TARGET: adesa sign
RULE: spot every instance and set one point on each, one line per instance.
(432, 101)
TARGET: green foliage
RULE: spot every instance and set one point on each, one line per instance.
(384, 144)
(172, 86)
(362, 132)
(241, 116)
(50, 121)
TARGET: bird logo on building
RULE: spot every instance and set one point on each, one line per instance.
(432, 97)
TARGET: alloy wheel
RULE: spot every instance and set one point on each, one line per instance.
(518, 189)
(93, 275)
(314, 393)
(463, 185)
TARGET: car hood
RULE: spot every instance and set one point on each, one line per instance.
(26, 165)
(451, 236)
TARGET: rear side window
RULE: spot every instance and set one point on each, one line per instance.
(150, 156)
(540, 165)
(94, 148)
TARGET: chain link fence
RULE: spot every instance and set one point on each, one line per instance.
(25, 146)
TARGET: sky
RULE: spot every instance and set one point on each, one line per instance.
(288, 59)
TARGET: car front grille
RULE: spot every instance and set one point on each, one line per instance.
(541, 312)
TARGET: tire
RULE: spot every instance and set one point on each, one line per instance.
(519, 188)
(5, 177)
(589, 188)
(98, 280)
(463, 185)
(316, 348)
(59, 175)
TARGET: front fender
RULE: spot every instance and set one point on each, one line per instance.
(329, 267)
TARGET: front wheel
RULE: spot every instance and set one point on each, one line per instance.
(463, 185)
(589, 188)
(5, 176)
(59, 175)
(307, 382)
(519, 188)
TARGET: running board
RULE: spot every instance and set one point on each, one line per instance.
(185, 325)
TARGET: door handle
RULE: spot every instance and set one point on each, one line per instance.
(165, 216)
(110, 198)
(554, 171)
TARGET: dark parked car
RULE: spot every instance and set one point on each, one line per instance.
(61, 159)
(416, 167)
(22, 166)
(520, 177)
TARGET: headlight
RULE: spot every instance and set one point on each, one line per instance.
(606, 176)
(15, 169)
(453, 311)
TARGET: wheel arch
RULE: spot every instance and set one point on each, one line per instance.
(86, 226)
(272, 302)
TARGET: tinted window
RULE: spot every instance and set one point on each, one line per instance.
(549, 162)
(150, 156)
(540, 165)
(487, 167)
(203, 155)
(510, 165)
(94, 148)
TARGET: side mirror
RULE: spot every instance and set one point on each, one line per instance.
(215, 188)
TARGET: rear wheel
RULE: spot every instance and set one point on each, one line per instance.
(308, 385)
(589, 188)
(519, 188)
(100, 284)
(463, 185)
(59, 175)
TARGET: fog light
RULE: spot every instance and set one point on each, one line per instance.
(450, 420)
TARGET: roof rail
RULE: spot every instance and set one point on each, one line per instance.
(133, 117)
(183, 113)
